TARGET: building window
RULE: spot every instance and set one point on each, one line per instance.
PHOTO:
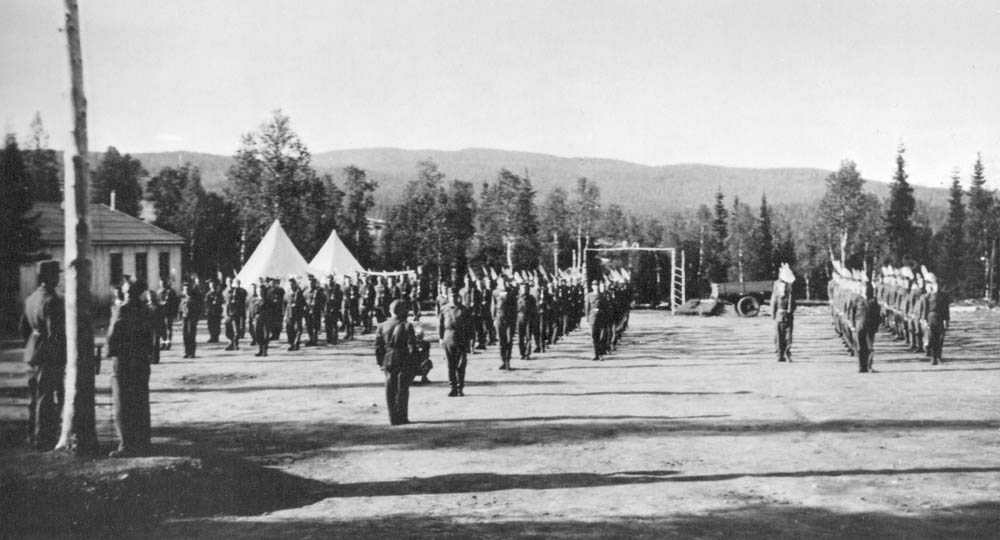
(116, 268)
(165, 265)
(141, 269)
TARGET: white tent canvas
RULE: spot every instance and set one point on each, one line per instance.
(335, 258)
(275, 256)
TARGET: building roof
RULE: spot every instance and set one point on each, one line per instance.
(108, 227)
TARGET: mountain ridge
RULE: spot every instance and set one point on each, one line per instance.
(643, 189)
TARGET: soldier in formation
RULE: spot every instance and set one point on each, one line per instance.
(907, 303)
(855, 314)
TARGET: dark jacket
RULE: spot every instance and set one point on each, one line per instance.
(43, 328)
(396, 347)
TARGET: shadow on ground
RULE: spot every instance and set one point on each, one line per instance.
(980, 520)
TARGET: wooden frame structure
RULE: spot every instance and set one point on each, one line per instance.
(678, 281)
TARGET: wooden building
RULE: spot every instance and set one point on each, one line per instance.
(121, 246)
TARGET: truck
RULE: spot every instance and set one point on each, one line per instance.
(746, 296)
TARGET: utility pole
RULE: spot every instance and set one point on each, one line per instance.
(78, 420)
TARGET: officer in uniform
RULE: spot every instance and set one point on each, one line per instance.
(131, 346)
(43, 327)
(783, 312)
(190, 308)
(350, 308)
(169, 301)
(214, 306)
(396, 348)
(596, 313)
(454, 331)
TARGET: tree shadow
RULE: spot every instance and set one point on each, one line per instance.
(255, 439)
(769, 520)
(622, 393)
(324, 386)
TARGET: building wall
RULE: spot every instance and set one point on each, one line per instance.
(101, 284)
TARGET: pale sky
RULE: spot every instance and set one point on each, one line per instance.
(743, 83)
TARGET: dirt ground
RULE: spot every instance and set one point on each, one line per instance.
(690, 429)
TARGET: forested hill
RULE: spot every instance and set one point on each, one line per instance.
(640, 188)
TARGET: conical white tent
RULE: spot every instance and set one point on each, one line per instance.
(275, 257)
(335, 258)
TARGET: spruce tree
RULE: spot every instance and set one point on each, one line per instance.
(980, 229)
(952, 240)
(898, 223)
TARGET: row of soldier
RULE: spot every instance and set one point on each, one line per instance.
(498, 309)
(908, 304)
(304, 311)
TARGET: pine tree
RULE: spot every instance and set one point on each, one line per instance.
(121, 174)
(952, 239)
(899, 230)
(353, 222)
(980, 229)
(716, 263)
(20, 240)
(42, 164)
(763, 245)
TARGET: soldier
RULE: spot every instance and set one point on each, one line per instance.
(214, 306)
(169, 301)
(527, 313)
(315, 299)
(43, 327)
(156, 321)
(505, 320)
(232, 310)
(334, 306)
(258, 311)
(865, 313)
(349, 309)
(241, 308)
(454, 330)
(544, 302)
(783, 312)
(938, 320)
(131, 348)
(596, 313)
(395, 351)
(295, 307)
(189, 308)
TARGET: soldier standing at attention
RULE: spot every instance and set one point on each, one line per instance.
(938, 320)
(395, 351)
(527, 312)
(241, 308)
(214, 306)
(43, 328)
(295, 306)
(334, 305)
(783, 312)
(168, 301)
(232, 312)
(865, 311)
(454, 329)
(349, 309)
(505, 320)
(131, 347)
(315, 304)
(257, 308)
(190, 311)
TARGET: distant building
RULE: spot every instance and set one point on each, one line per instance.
(376, 228)
(121, 246)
